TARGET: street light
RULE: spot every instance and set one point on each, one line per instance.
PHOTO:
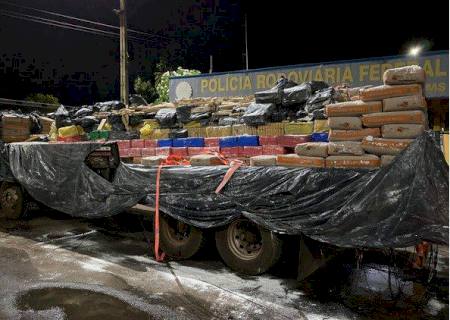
(414, 51)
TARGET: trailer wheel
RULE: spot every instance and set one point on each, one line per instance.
(248, 248)
(11, 201)
(179, 240)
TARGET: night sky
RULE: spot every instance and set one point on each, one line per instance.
(82, 68)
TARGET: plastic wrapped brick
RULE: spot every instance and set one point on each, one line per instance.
(312, 149)
(402, 131)
(368, 161)
(179, 133)
(296, 95)
(153, 161)
(205, 160)
(299, 127)
(321, 126)
(353, 135)
(124, 153)
(404, 75)
(386, 160)
(273, 150)
(292, 140)
(258, 113)
(387, 91)
(395, 117)
(405, 103)
(189, 142)
(211, 142)
(380, 146)
(268, 96)
(320, 99)
(263, 161)
(293, 160)
(137, 143)
(163, 151)
(165, 143)
(270, 129)
(242, 129)
(220, 131)
(345, 148)
(124, 144)
(249, 151)
(196, 132)
(184, 113)
(268, 140)
(137, 160)
(134, 152)
(228, 121)
(180, 151)
(211, 149)
(228, 142)
(352, 108)
(243, 141)
(319, 137)
(150, 143)
(230, 152)
(147, 152)
(345, 123)
(160, 133)
(167, 117)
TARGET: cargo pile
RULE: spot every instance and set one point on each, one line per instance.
(371, 131)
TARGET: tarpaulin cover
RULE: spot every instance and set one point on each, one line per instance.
(396, 206)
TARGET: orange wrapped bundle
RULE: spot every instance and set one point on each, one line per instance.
(395, 117)
(366, 161)
(293, 160)
(352, 108)
(381, 146)
(353, 135)
(386, 91)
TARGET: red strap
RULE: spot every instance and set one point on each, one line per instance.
(159, 257)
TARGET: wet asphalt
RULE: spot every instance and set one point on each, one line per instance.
(57, 267)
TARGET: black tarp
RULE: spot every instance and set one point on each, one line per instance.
(396, 206)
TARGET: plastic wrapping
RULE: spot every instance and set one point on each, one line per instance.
(167, 117)
(258, 113)
(184, 113)
(296, 95)
(399, 205)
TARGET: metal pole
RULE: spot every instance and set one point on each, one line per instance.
(210, 63)
(123, 54)
(246, 44)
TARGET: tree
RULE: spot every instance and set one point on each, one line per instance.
(145, 89)
(42, 98)
(162, 81)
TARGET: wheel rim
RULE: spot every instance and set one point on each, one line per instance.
(244, 239)
(11, 200)
(177, 231)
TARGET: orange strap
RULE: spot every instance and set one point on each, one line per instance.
(234, 165)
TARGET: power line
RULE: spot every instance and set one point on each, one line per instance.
(80, 19)
(65, 25)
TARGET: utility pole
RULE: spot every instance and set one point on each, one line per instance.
(246, 43)
(210, 63)
(124, 91)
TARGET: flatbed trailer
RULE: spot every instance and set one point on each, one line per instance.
(249, 236)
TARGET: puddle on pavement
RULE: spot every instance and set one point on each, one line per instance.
(79, 304)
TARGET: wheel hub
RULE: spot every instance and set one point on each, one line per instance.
(179, 231)
(9, 198)
(244, 239)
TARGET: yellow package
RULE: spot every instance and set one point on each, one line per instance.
(271, 129)
(70, 131)
(299, 127)
(152, 123)
(242, 129)
(192, 124)
(196, 132)
(160, 133)
(219, 131)
(53, 133)
(146, 130)
(321, 126)
(107, 127)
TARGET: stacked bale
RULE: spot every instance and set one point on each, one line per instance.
(404, 112)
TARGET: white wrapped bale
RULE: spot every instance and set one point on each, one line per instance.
(312, 149)
(345, 123)
(405, 103)
(386, 160)
(402, 131)
(263, 161)
(380, 146)
(404, 75)
(345, 148)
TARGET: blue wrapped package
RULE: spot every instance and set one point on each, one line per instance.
(319, 137)
(227, 142)
(165, 143)
(189, 142)
(248, 141)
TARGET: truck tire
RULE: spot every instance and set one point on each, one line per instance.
(248, 248)
(179, 240)
(11, 201)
